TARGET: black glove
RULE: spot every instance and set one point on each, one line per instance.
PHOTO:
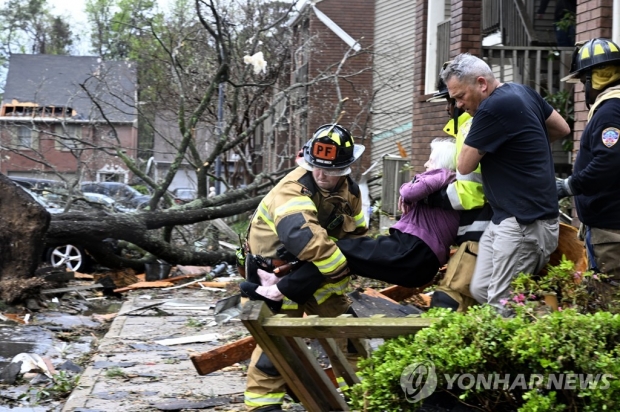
(564, 188)
(439, 199)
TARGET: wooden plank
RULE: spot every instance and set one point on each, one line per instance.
(376, 294)
(322, 382)
(212, 284)
(285, 359)
(345, 327)
(339, 361)
(71, 289)
(210, 337)
(223, 356)
(399, 293)
(182, 277)
(144, 285)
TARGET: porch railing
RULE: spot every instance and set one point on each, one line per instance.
(512, 19)
(541, 68)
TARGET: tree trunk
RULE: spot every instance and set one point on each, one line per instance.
(23, 223)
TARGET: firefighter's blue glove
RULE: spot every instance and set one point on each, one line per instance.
(564, 188)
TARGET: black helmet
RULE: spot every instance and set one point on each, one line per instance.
(442, 89)
(332, 149)
(593, 53)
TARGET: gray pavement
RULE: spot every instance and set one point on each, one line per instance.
(130, 371)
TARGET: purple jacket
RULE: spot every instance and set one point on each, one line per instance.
(435, 226)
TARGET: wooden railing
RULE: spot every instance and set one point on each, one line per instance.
(512, 19)
(281, 338)
(541, 68)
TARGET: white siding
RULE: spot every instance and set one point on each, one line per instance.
(393, 79)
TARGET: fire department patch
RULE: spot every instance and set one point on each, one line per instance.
(610, 136)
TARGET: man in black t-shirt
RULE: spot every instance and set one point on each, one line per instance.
(595, 181)
(510, 138)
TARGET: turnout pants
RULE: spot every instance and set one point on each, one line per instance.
(399, 259)
(265, 385)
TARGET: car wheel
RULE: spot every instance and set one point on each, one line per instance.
(70, 256)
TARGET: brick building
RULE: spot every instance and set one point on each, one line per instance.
(325, 32)
(66, 116)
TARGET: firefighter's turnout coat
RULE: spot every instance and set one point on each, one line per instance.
(306, 220)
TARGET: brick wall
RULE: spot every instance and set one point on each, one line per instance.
(430, 118)
(594, 19)
(356, 17)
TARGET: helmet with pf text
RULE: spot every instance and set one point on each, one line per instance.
(331, 149)
(593, 53)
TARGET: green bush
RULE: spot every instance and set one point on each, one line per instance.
(482, 342)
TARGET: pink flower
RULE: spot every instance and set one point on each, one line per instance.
(503, 302)
(595, 277)
(559, 308)
(519, 298)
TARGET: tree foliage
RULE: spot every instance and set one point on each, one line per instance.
(29, 27)
(200, 103)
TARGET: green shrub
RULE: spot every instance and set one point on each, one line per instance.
(482, 342)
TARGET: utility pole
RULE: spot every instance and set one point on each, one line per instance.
(220, 126)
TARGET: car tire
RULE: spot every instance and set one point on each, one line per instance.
(70, 256)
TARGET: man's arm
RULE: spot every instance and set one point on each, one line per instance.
(468, 159)
(556, 126)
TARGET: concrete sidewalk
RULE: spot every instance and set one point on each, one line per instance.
(130, 372)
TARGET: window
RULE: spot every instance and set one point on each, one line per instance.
(25, 137)
(68, 137)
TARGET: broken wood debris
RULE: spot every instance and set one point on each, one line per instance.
(241, 350)
(210, 337)
(144, 285)
(223, 356)
(71, 289)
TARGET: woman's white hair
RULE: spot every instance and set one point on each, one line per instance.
(443, 151)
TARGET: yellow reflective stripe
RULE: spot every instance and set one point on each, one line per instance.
(296, 204)
(263, 399)
(288, 304)
(263, 213)
(329, 289)
(342, 384)
(332, 263)
(360, 220)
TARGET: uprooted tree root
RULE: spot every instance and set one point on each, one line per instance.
(18, 290)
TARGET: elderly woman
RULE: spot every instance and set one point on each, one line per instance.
(416, 247)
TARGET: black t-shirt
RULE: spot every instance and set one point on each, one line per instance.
(517, 171)
(596, 173)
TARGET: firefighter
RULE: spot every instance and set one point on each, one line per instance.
(464, 194)
(298, 220)
(596, 177)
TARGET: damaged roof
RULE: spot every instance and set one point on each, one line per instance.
(55, 80)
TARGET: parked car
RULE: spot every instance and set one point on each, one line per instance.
(183, 195)
(71, 256)
(126, 197)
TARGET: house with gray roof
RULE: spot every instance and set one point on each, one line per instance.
(66, 116)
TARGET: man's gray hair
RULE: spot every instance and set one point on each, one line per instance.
(467, 68)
